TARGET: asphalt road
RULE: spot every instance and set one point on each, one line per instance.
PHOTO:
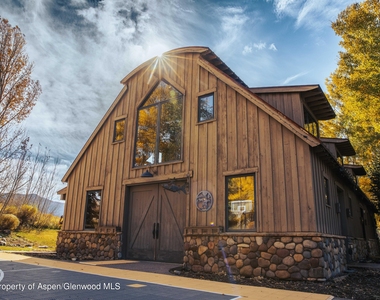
(23, 281)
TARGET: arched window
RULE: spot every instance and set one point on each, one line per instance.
(159, 127)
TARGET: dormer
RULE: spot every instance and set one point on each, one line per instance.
(304, 104)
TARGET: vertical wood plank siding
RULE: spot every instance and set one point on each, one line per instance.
(241, 137)
(329, 219)
(289, 104)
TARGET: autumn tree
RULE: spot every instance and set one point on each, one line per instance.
(354, 87)
(18, 95)
(374, 174)
(18, 92)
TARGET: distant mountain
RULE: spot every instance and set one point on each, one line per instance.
(55, 207)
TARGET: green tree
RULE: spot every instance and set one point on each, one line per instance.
(354, 87)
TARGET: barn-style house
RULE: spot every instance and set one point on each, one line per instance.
(190, 165)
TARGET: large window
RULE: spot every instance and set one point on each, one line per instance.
(93, 199)
(240, 193)
(206, 107)
(159, 128)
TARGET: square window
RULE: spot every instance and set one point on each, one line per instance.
(119, 130)
(206, 107)
(241, 204)
(93, 199)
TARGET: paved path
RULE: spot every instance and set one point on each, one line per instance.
(35, 278)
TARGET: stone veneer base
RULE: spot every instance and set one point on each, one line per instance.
(360, 249)
(88, 245)
(313, 257)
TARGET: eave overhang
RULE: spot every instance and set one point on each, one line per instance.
(358, 170)
(343, 146)
(315, 99)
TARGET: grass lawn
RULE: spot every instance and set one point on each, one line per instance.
(36, 238)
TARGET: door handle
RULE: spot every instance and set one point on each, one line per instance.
(157, 229)
(154, 231)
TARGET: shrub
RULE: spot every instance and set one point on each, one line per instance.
(47, 221)
(27, 215)
(10, 210)
(9, 221)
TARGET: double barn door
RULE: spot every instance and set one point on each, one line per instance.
(156, 224)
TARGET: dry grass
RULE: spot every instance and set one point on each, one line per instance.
(31, 240)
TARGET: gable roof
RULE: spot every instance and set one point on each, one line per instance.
(212, 63)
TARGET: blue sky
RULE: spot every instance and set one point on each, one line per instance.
(81, 50)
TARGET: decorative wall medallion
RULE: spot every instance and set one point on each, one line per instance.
(204, 201)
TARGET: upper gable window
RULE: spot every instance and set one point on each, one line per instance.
(310, 123)
(159, 127)
(206, 107)
(119, 130)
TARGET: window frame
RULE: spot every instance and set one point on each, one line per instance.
(227, 213)
(205, 95)
(114, 141)
(89, 190)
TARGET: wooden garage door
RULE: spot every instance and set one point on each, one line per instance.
(156, 224)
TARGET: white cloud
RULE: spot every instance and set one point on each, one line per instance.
(294, 77)
(272, 47)
(232, 20)
(312, 14)
(247, 49)
(260, 46)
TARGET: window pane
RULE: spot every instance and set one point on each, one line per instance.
(146, 136)
(241, 203)
(92, 209)
(170, 132)
(119, 130)
(206, 108)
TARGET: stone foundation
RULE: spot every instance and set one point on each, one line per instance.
(281, 257)
(86, 245)
(360, 249)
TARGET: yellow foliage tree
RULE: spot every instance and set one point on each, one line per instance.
(354, 87)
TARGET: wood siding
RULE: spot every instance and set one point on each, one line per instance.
(333, 218)
(290, 104)
(243, 139)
